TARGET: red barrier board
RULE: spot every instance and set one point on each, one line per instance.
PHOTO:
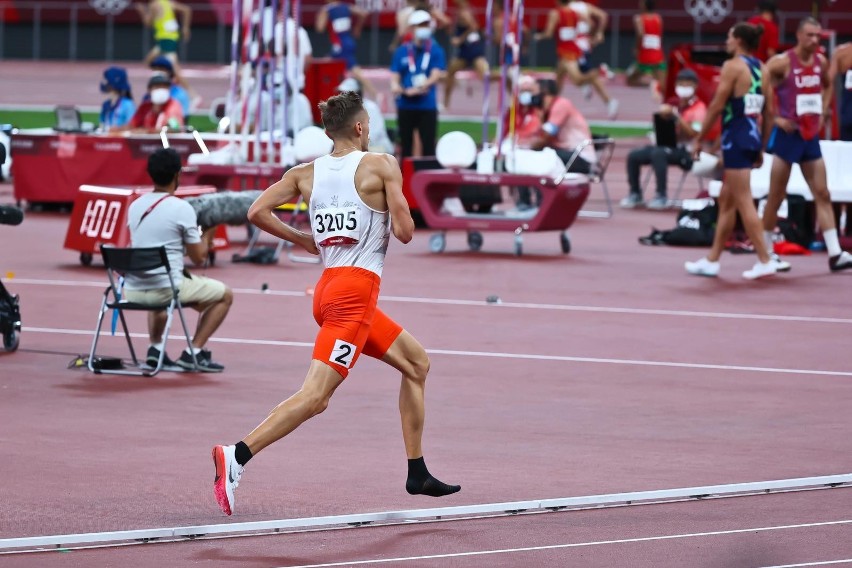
(50, 167)
(100, 216)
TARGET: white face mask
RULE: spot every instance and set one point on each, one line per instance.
(684, 92)
(160, 96)
(422, 33)
(525, 98)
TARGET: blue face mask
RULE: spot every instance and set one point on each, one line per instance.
(422, 33)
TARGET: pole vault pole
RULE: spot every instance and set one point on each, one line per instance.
(486, 95)
(245, 77)
(517, 37)
(258, 81)
(231, 105)
(272, 68)
(300, 64)
(501, 95)
(285, 49)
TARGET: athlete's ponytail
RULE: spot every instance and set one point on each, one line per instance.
(748, 35)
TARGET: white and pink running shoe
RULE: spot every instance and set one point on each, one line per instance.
(228, 473)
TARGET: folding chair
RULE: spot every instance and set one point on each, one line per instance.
(684, 174)
(121, 262)
(604, 148)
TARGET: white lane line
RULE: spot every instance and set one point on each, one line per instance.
(822, 563)
(572, 545)
(497, 355)
(504, 305)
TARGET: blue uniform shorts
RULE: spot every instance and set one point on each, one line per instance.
(346, 55)
(792, 148)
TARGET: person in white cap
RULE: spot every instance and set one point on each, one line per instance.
(416, 68)
(379, 139)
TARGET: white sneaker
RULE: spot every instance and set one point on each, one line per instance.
(760, 270)
(780, 264)
(587, 92)
(612, 108)
(702, 267)
(842, 261)
(228, 473)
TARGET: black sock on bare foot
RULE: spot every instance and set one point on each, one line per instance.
(421, 482)
(242, 453)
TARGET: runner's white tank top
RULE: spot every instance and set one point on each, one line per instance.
(347, 232)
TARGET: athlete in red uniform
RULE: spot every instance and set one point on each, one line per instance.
(800, 79)
(565, 23)
(353, 196)
(765, 19)
(650, 58)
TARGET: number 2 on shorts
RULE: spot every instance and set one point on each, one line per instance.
(342, 353)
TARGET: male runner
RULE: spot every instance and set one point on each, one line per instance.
(742, 95)
(841, 64)
(338, 17)
(571, 44)
(470, 49)
(800, 78)
(650, 58)
(353, 195)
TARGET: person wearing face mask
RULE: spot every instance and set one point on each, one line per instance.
(179, 90)
(416, 68)
(688, 112)
(118, 108)
(160, 110)
(527, 128)
(563, 128)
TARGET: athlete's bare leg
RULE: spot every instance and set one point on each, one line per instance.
(313, 398)
(456, 65)
(638, 78)
(724, 221)
(778, 178)
(814, 173)
(738, 183)
(407, 356)
(593, 78)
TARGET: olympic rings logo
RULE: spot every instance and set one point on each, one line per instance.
(113, 7)
(709, 10)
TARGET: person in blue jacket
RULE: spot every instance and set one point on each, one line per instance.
(118, 108)
(416, 68)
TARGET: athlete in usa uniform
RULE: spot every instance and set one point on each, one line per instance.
(800, 79)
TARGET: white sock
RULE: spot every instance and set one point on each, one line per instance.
(832, 244)
(158, 346)
(767, 239)
(195, 350)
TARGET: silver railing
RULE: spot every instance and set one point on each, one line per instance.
(620, 29)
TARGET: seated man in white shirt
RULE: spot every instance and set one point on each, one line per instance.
(161, 219)
(379, 139)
